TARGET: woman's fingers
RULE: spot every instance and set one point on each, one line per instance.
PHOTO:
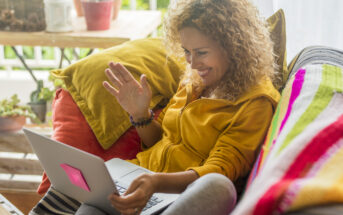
(114, 68)
(133, 187)
(136, 199)
(145, 84)
(123, 75)
(130, 94)
(119, 203)
(131, 211)
(114, 80)
(127, 76)
(110, 89)
(132, 200)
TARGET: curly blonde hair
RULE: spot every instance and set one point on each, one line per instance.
(237, 27)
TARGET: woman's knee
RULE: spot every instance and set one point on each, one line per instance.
(217, 180)
(89, 210)
(218, 184)
(215, 184)
(209, 194)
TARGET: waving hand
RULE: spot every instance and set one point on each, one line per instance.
(133, 96)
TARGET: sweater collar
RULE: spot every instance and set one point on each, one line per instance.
(264, 89)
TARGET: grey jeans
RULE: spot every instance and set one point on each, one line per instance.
(210, 194)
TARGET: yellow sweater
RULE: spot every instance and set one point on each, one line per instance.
(211, 135)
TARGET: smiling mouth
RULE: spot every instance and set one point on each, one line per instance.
(203, 73)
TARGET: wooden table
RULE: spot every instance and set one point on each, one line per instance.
(128, 26)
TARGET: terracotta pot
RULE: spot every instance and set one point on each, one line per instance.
(98, 14)
(12, 123)
(116, 8)
(78, 7)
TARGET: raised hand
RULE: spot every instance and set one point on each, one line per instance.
(133, 96)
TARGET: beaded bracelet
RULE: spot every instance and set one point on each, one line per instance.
(143, 122)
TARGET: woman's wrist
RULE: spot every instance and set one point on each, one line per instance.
(156, 180)
(142, 120)
(175, 182)
(141, 115)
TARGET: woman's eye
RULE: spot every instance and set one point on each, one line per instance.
(202, 53)
(186, 52)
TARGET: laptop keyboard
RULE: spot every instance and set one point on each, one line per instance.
(152, 201)
(120, 189)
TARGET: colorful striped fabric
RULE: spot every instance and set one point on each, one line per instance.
(300, 164)
(55, 203)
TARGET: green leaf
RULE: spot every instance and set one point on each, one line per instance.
(46, 94)
(34, 97)
(48, 53)
(9, 53)
(28, 52)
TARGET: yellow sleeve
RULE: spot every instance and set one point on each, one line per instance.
(236, 148)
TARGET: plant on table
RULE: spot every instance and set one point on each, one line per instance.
(11, 108)
(13, 115)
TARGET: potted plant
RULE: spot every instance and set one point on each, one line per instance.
(13, 115)
(116, 8)
(39, 99)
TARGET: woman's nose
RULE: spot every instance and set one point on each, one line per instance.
(194, 62)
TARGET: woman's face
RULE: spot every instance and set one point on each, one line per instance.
(204, 55)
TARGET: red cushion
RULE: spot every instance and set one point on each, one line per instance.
(70, 127)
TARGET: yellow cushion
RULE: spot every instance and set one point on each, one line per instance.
(104, 115)
(277, 29)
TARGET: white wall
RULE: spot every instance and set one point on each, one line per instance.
(21, 87)
(20, 83)
(308, 22)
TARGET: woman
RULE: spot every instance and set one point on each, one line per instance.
(216, 120)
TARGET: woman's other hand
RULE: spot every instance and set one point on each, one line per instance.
(133, 96)
(137, 195)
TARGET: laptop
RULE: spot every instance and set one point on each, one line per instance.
(87, 178)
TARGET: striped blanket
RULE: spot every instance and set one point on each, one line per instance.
(55, 203)
(300, 164)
